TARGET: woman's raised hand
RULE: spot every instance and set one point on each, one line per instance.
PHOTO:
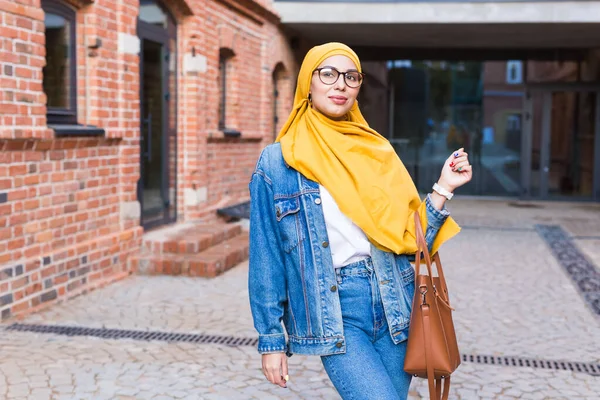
(456, 171)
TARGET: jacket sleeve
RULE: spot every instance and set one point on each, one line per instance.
(266, 280)
(435, 220)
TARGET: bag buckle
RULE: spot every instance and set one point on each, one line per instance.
(423, 291)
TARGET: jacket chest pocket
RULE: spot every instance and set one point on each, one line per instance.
(288, 216)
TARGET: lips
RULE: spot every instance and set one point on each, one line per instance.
(339, 100)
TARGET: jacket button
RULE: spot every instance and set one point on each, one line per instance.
(278, 212)
(317, 201)
(325, 244)
(333, 288)
(338, 345)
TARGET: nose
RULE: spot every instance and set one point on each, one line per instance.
(340, 84)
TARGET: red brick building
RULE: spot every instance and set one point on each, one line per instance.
(117, 116)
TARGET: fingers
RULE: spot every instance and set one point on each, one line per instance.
(272, 368)
(461, 165)
(464, 168)
(284, 369)
(459, 160)
(458, 153)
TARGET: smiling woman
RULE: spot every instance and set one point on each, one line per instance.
(331, 95)
(330, 224)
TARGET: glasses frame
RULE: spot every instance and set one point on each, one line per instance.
(338, 77)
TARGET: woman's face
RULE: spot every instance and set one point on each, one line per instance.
(334, 98)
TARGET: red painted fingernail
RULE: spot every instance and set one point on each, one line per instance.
(452, 164)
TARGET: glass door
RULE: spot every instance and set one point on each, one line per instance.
(158, 110)
(153, 157)
(571, 145)
(563, 135)
(540, 120)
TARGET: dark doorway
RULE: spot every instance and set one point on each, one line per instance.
(562, 137)
(158, 93)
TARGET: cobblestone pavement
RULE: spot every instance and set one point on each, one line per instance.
(511, 295)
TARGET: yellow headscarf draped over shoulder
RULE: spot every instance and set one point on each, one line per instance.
(355, 164)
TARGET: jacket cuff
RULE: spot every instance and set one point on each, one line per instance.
(435, 217)
(272, 343)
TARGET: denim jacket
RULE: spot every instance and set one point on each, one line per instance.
(291, 274)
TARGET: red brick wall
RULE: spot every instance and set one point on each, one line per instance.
(22, 111)
(67, 205)
(230, 164)
(60, 225)
(259, 47)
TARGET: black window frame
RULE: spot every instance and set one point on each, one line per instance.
(225, 57)
(59, 115)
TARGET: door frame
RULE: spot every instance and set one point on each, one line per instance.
(546, 90)
(162, 36)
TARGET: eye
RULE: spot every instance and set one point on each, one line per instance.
(353, 77)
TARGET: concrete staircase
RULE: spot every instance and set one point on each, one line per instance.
(191, 249)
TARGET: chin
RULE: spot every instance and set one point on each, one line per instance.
(337, 114)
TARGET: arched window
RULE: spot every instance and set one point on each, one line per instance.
(225, 56)
(59, 74)
(153, 14)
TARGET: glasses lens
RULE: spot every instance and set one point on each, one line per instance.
(328, 76)
(353, 79)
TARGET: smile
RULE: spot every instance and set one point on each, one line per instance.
(339, 100)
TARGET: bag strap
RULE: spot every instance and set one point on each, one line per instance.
(421, 247)
(435, 385)
(428, 349)
(442, 294)
(440, 271)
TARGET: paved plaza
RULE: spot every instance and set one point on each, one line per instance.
(524, 280)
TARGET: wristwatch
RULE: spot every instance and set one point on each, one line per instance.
(442, 191)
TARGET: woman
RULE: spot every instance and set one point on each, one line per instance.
(331, 232)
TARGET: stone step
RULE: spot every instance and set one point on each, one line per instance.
(208, 263)
(188, 238)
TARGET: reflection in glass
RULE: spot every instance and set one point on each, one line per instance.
(539, 114)
(172, 129)
(572, 144)
(152, 129)
(158, 182)
(441, 106)
(56, 72)
(151, 13)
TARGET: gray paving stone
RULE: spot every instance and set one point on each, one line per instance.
(492, 273)
(39, 394)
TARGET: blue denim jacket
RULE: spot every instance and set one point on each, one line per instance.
(291, 274)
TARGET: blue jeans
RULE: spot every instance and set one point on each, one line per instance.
(373, 366)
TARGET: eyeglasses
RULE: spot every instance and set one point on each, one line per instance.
(330, 75)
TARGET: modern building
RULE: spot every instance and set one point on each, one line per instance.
(514, 82)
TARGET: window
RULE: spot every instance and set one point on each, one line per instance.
(513, 122)
(225, 56)
(59, 74)
(514, 72)
(153, 14)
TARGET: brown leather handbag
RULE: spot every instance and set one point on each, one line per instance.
(432, 349)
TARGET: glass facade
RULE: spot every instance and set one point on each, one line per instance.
(436, 107)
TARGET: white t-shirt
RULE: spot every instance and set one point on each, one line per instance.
(347, 241)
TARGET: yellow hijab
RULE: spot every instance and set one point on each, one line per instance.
(355, 164)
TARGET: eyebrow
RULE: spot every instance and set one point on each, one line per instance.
(331, 66)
